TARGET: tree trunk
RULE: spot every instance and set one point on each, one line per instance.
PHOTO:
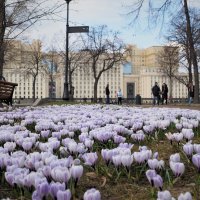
(51, 86)
(95, 89)
(188, 57)
(170, 87)
(2, 33)
(70, 85)
(192, 53)
(34, 81)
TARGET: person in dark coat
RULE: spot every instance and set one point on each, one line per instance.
(156, 93)
(164, 93)
(107, 94)
(191, 92)
(2, 78)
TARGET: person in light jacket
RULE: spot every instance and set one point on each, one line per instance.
(119, 97)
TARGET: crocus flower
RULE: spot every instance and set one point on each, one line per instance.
(150, 174)
(116, 159)
(60, 174)
(9, 178)
(188, 149)
(197, 148)
(164, 195)
(90, 158)
(36, 195)
(119, 139)
(45, 133)
(139, 157)
(27, 145)
(177, 168)
(55, 187)
(196, 161)
(170, 137)
(43, 189)
(76, 172)
(88, 143)
(92, 194)
(106, 155)
(126, 145)
(127, 160)
(138, 136)
(10, 146)
(186, 196)
(179, 126)
(178, 137)
(64, 195)
(155, 179)
(155, 164)
(158, 182)
(175, 157)
(188, 134)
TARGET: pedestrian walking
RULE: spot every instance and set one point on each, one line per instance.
(107, 94)
(190, 92)
(156, 93)
(119, 97)
(164, 93)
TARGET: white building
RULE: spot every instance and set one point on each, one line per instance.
(142, 74)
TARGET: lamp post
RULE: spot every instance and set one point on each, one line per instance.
(66, 85)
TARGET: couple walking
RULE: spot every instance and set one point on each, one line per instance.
(119, 95)
(157, 92)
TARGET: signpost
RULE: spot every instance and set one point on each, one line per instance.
(70, 29)
(78, 29)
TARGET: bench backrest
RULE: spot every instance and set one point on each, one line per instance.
(6, 89)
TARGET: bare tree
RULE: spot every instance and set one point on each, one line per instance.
(163, 8)
(104, 51)
(19, 15)
(75, 58)
(177, 33)
(168, 60)
(34, 63)
(51, 59)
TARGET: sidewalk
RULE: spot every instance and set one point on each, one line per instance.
(183, 106)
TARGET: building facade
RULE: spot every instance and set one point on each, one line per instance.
(146, 71)
(143, 71)
(20, 67)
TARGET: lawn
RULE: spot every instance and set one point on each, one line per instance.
(106, 147)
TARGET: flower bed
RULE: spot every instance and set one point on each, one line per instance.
(99, 152)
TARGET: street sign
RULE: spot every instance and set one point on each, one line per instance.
(78, 29)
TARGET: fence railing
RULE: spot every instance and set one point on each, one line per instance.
(112, 100)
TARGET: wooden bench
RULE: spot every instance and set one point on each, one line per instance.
(6, 91)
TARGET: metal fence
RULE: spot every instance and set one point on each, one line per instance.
(127, 101)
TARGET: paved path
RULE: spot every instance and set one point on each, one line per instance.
(184, 106)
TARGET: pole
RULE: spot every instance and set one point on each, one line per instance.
(66, 85)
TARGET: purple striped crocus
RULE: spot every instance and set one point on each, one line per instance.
(155, 179)
(185, 196)
(197, 148)
(177, 168)
(55, 187)
(92, 194)
(164, 195)
(76, 172)
(90, 158)
(196, 161)
(64, 195)
(188, 149)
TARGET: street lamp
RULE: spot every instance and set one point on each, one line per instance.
(66, 85)
(72, 29)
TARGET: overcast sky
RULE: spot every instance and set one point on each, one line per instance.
(102, 12)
